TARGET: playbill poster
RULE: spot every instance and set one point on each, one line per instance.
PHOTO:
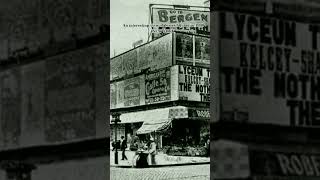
(159, 77)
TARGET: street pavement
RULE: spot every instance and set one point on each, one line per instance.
(191, 172)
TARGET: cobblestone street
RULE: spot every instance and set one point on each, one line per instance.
(194, 172)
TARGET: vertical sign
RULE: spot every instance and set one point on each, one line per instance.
(158, 86)
(113, 95)
(70, 97)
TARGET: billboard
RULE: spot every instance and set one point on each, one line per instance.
(130, 92)
(41, 22)
(152, 56)
(193, 83)
(167, 20)
(158, 86)
(192, 50)
(269, 70)
(70, 97)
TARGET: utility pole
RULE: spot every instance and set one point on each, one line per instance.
(116, 120)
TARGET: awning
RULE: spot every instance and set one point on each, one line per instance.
(154, 114)
(160, 119)
(154, 126)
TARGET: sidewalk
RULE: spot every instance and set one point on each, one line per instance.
(161, 160)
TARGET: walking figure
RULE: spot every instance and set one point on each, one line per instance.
(153, 151)
(123, 148)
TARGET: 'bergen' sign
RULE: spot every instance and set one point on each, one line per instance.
(168, 20)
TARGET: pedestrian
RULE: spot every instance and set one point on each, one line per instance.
(153, 151)
(208, 146)
(123, 148)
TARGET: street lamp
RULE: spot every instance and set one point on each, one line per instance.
(116, 120)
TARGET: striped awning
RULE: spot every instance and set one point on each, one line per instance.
(176, 112)
(154, 126)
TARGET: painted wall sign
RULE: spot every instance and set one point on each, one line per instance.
(130, 92)
(70, 97)
(158, 86)
(152, 56)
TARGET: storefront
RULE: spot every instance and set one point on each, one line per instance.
(173, 127)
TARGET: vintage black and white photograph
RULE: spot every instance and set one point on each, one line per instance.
(159, 89)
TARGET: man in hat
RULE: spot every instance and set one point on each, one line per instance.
(153, 150)
(123, 148)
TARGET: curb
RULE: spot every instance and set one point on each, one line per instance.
(162, 165)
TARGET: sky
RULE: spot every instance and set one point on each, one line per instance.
(134, 12)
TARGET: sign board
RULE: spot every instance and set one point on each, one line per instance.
(62, 19)
(130, 92)
(198, 113)
(70, 97)
(158, 86)
(269, 70)
(194, 83)
(285, 164)
(168, 20)
(154, 55)
(192, 50)
(53, 100)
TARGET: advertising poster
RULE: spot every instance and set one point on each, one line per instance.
(116, 70)
(10, 108)
(157, 54)
(113, 95)
(194, 83)
(184, 49)
(70, 97)
(129, 62)
(130, 92)
(152, 56)
(166, 20)
(33, 85)
(269, 66)
(192, 50)
(202, 54)
(29, 26)
(158, 86)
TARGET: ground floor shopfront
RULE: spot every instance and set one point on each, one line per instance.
(177, 130)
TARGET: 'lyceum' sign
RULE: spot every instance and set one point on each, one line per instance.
(269, 70)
